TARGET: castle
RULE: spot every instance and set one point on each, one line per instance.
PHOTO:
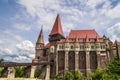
(83, 50)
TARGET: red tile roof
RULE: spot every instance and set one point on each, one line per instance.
(40, 38)
(83, 34)
(57, 28)
(47, 45)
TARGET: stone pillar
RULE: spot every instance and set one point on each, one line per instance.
(98, 59)
(66, 61)
(108, 56)
(56, 61)
(77, 60)
(11, 72)
(87, 63)
(33, 68)
(47, 77)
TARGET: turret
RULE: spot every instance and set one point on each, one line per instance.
(57, 32)
(40, 45)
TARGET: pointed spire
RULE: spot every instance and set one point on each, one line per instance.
(41, 38)
(57, 28)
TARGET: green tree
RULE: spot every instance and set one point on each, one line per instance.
(19, 71)
(77, 75)
(1, 70)
(114, 66)
(68, 76)
(37, 73)
(59, 76)
(1, 60)
(99, 74)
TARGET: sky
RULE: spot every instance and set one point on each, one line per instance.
(21, 21)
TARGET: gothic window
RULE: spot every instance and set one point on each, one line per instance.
(102, 46)
(81, 46)
(71, 47)
(59, 46)
(62, 47)
(92, 47)
(83, 57)
(97, 46)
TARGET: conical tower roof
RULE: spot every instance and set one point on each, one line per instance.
(40, 37)
(57, 27)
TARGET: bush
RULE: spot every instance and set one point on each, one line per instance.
(77, 75)
(1, 70)
(19, 71)
(114, 67)
(99, 74)
(68, 76)
(59, 76)
(37, 73)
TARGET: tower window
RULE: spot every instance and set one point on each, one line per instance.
(38, 57)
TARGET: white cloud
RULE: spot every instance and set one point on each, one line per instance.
(114, 32)
(25, 45)
(21, 52)
(75, 14)
(22, 27)
(114, 12)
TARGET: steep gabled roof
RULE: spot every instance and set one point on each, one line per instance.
(57, 28)
(40, 38)
(83, 33)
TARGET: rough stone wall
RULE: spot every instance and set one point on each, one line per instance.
(82, 62)
(61, 61)
(71, 61)
(93, 60)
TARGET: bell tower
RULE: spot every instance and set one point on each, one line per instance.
(40, 45)
(57, 32)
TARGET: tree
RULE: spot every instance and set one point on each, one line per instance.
(37, 73)
(1, 60)
(68, 76)
(114, 66)
(77, 75)
(59, 76)
(19, 71)
(99, 74)
(1, 70)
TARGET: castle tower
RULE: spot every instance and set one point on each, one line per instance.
(40, 45)
(55, 36)
(57, 32)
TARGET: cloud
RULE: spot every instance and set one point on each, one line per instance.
(16, 51)
(114, 32)
(114, 12)
(74, 14)
(23, 27)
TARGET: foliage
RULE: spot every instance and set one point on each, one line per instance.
(19, 71)
(1, 60)
(99, 74)
(37, 73)
(1, 70)
(59, 76)
(114, 67)
(77, 75)
(68, 76)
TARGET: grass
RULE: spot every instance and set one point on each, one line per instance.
(20, 79)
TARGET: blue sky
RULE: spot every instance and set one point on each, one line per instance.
(21, 20)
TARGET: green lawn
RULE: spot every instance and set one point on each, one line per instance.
(20, 79)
